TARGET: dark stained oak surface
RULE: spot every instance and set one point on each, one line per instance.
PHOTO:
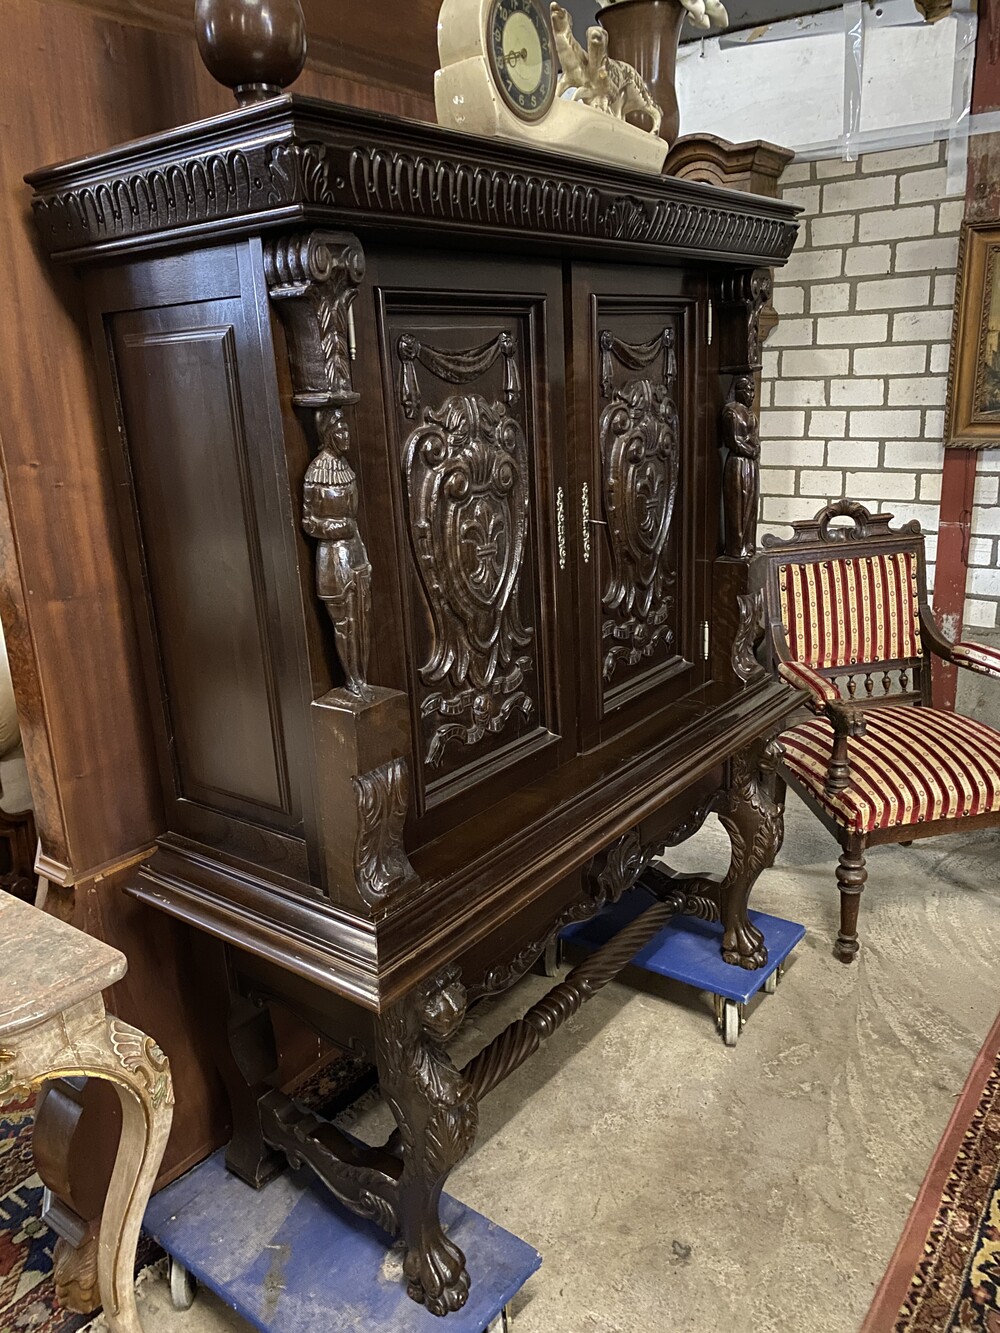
(417, 445)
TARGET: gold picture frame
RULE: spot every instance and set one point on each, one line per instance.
(973, 409)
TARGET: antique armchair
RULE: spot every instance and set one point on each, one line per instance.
(847, 621)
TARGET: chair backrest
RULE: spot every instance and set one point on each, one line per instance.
(845, 597)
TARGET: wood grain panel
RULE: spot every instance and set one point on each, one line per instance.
(382, 44)
(187, 443)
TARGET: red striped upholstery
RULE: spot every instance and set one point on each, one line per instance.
(977, 657)
(842, 612)
(912, 765)
(821, 691)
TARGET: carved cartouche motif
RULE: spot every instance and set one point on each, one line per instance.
(640, 457)
(465, 471)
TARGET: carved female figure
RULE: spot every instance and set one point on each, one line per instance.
(741, 474)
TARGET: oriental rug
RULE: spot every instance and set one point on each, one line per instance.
(945, 1274)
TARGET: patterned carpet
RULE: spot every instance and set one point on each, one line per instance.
(27, 1294)
(27, 1297)
(945, 1274)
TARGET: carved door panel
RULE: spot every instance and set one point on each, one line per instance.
(640, 459)
(472, 473)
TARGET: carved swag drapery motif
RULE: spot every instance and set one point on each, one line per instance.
(465, 474)
(640, 462)
(312, 280)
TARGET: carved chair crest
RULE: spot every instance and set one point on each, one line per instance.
(848, 599)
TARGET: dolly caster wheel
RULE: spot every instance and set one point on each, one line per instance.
(729, 1019)
(550, 961)
(182, 1286)
(502, 1323)
(771, 984)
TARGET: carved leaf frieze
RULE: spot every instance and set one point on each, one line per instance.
(230, 183)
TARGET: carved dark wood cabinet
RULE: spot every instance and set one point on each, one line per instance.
(437, 471)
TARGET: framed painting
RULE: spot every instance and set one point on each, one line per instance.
(973, 412)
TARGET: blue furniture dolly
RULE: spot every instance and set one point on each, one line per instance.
(289, 1259)
(689, 950)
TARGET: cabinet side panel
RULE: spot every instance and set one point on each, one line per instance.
(179, 394)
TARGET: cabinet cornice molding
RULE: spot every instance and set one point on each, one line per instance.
(295, 159)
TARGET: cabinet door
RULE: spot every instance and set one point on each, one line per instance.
(473, 413)
(648, 521)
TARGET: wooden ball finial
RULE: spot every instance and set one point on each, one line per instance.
(255, 47)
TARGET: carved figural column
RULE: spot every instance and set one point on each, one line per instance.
(741, 473)
(436, 1114)
(312, 280)
(743, 298)
(362, 732)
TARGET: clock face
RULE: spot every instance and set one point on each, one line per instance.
(519, 40)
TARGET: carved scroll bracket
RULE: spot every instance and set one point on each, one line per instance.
(748, 634)
(380, 861)
(747, 291)
(313, 279)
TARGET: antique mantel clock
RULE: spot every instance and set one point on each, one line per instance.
(498, 76)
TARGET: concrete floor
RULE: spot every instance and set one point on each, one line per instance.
(675, 1186)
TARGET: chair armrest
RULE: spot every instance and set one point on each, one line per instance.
(977, 657)
(845, 716)
(821, 691)
(972, 656)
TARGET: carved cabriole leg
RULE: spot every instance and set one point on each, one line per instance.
(84, 1041)
(851, 877)
(437, 1115)
(755, 824)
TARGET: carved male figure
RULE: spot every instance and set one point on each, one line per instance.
(343, 571)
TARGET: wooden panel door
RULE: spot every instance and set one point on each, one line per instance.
(195, 436)
(473, 478)
(640, 456)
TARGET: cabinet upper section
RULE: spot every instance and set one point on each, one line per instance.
(296, 160)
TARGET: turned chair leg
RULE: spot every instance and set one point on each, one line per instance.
(436, 1111)
(851, 877)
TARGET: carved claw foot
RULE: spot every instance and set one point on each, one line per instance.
(744, 946)
(436, 1275)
